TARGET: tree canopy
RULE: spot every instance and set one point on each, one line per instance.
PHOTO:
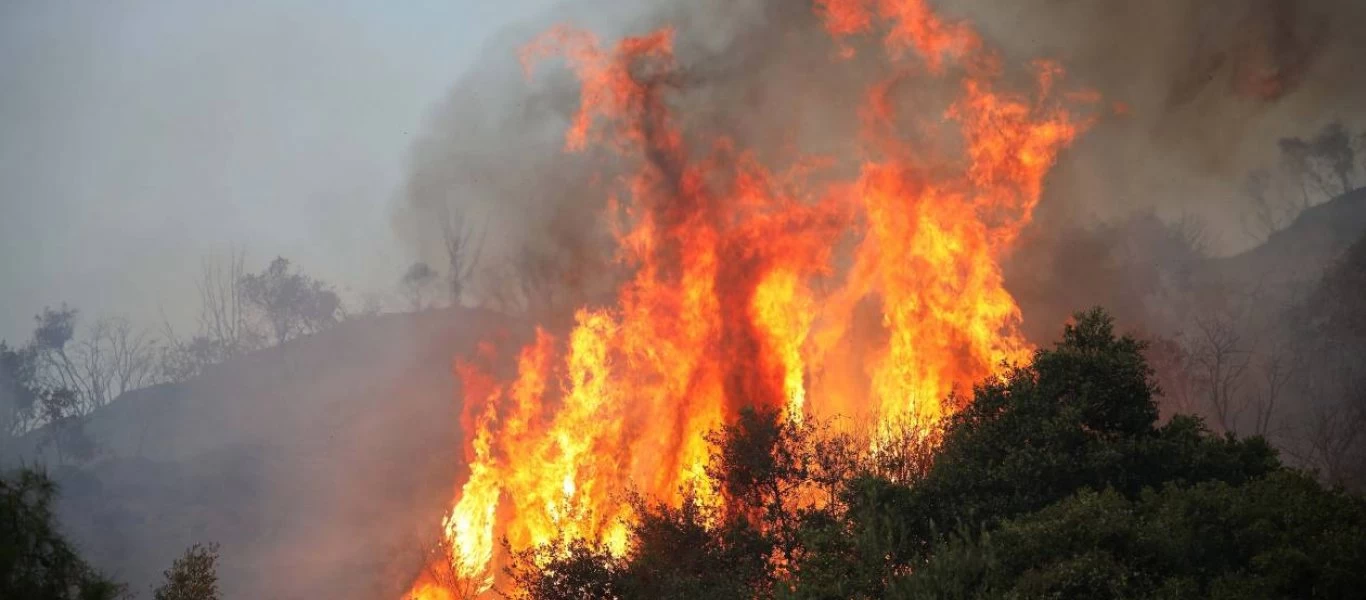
(36, 561)
(1057, 480)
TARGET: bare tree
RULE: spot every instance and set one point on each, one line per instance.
(1271, 210)
(1278, 371)
(1331, 437)
(464, 242)
(542, 281)
(1316, 169)
(112, 358)
(52, 337)
(1220, 359)
(223, 316)
(1331, 327)
(1172, 366)
(225, 326)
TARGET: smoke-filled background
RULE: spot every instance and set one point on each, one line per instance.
(403, 157)
(1202, 94)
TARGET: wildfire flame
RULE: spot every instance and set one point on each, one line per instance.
(746, 287)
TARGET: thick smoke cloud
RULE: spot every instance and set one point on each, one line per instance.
(1208, 88)
(762, 73)
(1198, 94)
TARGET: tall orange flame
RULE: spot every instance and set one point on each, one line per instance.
(746, 292)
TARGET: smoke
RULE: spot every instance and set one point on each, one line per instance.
(496, 150)
(1199, 93)
(1207, 88)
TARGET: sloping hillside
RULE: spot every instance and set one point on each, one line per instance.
(1302, 250)
(320, 465)
(1153, 276)
(316, 465)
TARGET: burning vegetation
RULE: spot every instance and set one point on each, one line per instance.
(757, 329)
(766, 309)
(747, 284)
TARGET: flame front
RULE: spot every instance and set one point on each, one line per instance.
(748, 286)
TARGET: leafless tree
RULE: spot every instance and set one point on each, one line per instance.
(1271, 207)
(1277, 371)
(225, 327)
(1172, 366)
(1311, 170)
(464, 242)
(544, 282)
(1331, 440)
(223, 315)
(1220, 359)
(111, 358)
(114, 358)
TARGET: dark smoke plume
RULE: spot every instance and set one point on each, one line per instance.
(1198, 92)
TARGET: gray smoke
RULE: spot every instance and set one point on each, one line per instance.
(1206, 89)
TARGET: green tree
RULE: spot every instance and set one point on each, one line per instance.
(36, 561)
(291, 302)
(28, 400)
(18, 392)
(1056, 481)
(1280, 536)
(193, 576)
(683, 552)
(1082, 415)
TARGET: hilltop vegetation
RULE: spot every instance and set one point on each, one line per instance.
(1057, 481)
(270, 439)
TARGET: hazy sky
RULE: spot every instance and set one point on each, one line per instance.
(137, 137)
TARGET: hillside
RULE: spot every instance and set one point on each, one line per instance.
(315, 465)
(1302, 250)
(320, 464)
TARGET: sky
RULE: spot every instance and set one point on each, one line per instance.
(139, 137)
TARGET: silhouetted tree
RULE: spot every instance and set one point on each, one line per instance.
(64, 426)
(291, 302)
(1325, 161)
(108, 360)
(225, 327)
(18, 390)
(1314, 169)
(464, 243)
(1220, 359)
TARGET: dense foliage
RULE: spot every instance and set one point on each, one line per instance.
(1056, 481)
(36, 561)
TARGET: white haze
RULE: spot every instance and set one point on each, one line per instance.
(138, 136)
